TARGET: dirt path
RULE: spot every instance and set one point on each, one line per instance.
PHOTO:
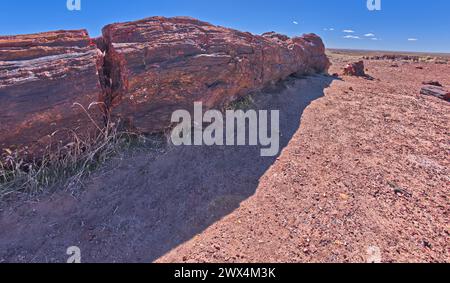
(362, 169)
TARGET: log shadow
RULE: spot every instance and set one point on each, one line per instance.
(150, 204)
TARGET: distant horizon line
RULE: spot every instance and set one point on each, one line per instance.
(392, 51)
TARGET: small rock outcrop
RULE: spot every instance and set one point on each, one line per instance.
(41, 77)
(355, 69)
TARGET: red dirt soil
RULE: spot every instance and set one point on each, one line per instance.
(365, 163)
(367, 168)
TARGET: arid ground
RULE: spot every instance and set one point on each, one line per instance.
(364, 167)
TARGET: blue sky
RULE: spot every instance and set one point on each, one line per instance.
(425, 23)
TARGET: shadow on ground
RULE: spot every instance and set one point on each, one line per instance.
(138, 209)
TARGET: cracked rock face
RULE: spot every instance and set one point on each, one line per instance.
(160, 65)
(41, 77)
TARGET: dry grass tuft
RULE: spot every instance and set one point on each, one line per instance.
(67, 164)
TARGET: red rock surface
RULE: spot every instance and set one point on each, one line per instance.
(41, 77)
(355, 69)
(436, 91)
(159, 65)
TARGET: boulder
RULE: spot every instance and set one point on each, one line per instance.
(159, 65)
(436, 91)
(41, 77)
(355, 69)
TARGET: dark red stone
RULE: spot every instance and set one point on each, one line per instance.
(41, 77)
(160, 65)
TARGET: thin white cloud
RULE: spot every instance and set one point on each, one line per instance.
(348, 31)
(331, 29)
(352, 37)
(374, 38)
(369, 35)
(295, 22)
(412, 39)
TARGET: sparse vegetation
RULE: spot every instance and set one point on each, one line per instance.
(67, 164)
(243, 103)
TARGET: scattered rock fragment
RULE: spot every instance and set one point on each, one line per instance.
(436, 91)
(427, 244)
(435, 83)
(355, 69)
(402, 192)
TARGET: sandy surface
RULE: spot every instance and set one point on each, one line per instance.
(364, 167)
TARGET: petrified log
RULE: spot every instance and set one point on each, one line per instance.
(355, 69)
(436, 91)
(394, 57)
(159, 65)
(435, 83)
(41, 77)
